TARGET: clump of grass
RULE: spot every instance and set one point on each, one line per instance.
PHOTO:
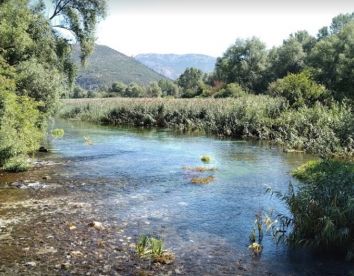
(200, 169)
(205, 158)
(17, 164)
(322, 207)
(58, 133)
(88, 140)
(153, 248)
(256, 236)
(203, 180)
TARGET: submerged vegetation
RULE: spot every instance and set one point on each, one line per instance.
(322, 207)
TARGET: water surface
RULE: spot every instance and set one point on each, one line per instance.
(140, 177)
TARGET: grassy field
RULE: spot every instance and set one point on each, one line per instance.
(323, 130)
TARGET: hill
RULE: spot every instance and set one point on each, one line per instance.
(106, 66)
(172, 66)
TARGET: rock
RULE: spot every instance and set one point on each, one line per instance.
(97, 225)
(72, 227)
(65, 265)
(42, 149)
(76, 254)
(46, 250)
(46, 177)
(32, 264)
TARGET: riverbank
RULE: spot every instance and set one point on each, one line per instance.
(322, 130)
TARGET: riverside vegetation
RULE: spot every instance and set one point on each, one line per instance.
(299, 95)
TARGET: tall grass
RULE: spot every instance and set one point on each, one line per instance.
(326, 130)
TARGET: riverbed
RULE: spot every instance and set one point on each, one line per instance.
(135, 182)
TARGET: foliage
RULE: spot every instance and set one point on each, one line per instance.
(17, 164)
(299, 89)
(191, 81)
(153, 248)
(36, 69)
(19, 121)
(326, 130)
(58, 133)
(322, 207)
(233, 90)
(332, 61)
(245, 63)
(205, 158)
(153, 90)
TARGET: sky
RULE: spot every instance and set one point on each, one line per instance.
(210, 26)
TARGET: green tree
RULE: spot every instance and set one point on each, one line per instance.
(168, 88)
(118, 87)
(333, 63)
(245, 63)
(134, 90)
(153, 90)
(191, 82)
(299, 89)
(233, 90)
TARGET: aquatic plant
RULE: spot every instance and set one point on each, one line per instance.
(322, 208)
(203, 180)
(153, 248)
(205, 158)
(57, 133)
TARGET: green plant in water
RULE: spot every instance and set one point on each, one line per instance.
(322, 208)
(58, 133)
(205, 158)
(256, 236)
(153, 248)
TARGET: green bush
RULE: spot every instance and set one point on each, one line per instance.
(233, 90)
(299, 89)
(323, 207)
(17, 164)
(19, 121)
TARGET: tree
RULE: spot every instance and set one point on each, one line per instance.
(168, 88)
(153, 90)
(245, 63)
(233, 90)
(291, 56)
(299, 89)
(80, 18)
(134, 90)
(118, 87)
(191, 81)
(333, 63)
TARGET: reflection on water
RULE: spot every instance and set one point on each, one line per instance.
(140, 175)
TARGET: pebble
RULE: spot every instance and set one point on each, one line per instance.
(32, 264)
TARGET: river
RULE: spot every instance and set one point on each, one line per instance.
(140, 182)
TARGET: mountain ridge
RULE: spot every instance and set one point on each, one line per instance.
(173, 65)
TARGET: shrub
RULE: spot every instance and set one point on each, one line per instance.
(17, 164)
(299, 89)
(322, 207)
(19, 121)
(233, 90)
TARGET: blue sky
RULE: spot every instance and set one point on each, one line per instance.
(209, 27)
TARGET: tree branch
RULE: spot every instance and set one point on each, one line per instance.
(61, 4)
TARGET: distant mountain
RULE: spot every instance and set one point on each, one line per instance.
(172, 66)
(106, 66)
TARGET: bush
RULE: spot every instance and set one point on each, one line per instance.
(19, 126)
(233, 90)
(323, 207)
(299, 89)
(17, 164)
